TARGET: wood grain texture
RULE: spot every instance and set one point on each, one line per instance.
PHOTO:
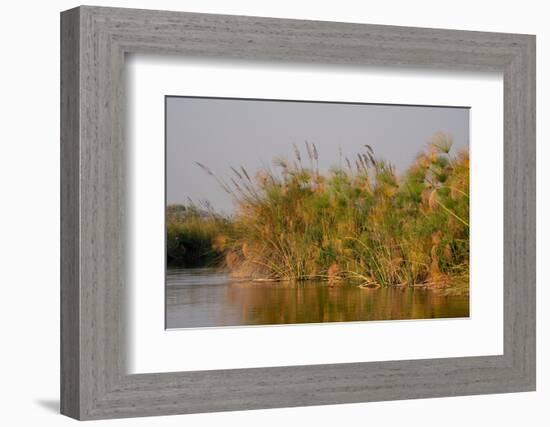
(94, 382)
(70, 292)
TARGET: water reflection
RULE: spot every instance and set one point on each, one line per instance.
(205, 297)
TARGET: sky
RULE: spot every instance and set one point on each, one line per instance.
(221, 133)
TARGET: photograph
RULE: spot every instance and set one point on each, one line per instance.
(289, 212)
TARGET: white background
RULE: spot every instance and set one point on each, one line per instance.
(29, 218)
(154, 350)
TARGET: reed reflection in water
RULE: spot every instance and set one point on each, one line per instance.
(207, 298)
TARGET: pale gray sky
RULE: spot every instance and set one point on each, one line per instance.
(224, 132)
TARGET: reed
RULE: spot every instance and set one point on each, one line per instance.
(360, 221)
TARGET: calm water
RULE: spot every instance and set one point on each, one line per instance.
(206, 297)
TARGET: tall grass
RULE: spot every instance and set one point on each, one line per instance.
(360, 221)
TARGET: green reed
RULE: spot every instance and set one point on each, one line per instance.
(360, 221)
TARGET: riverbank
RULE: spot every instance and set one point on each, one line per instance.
(360, 222)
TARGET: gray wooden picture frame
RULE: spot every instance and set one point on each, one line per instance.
(94, 381)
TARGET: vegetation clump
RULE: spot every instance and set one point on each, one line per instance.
(190, 236)
(360, 221)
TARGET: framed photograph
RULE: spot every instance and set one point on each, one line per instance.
(262, 213)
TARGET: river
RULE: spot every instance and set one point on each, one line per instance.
(208, 297)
